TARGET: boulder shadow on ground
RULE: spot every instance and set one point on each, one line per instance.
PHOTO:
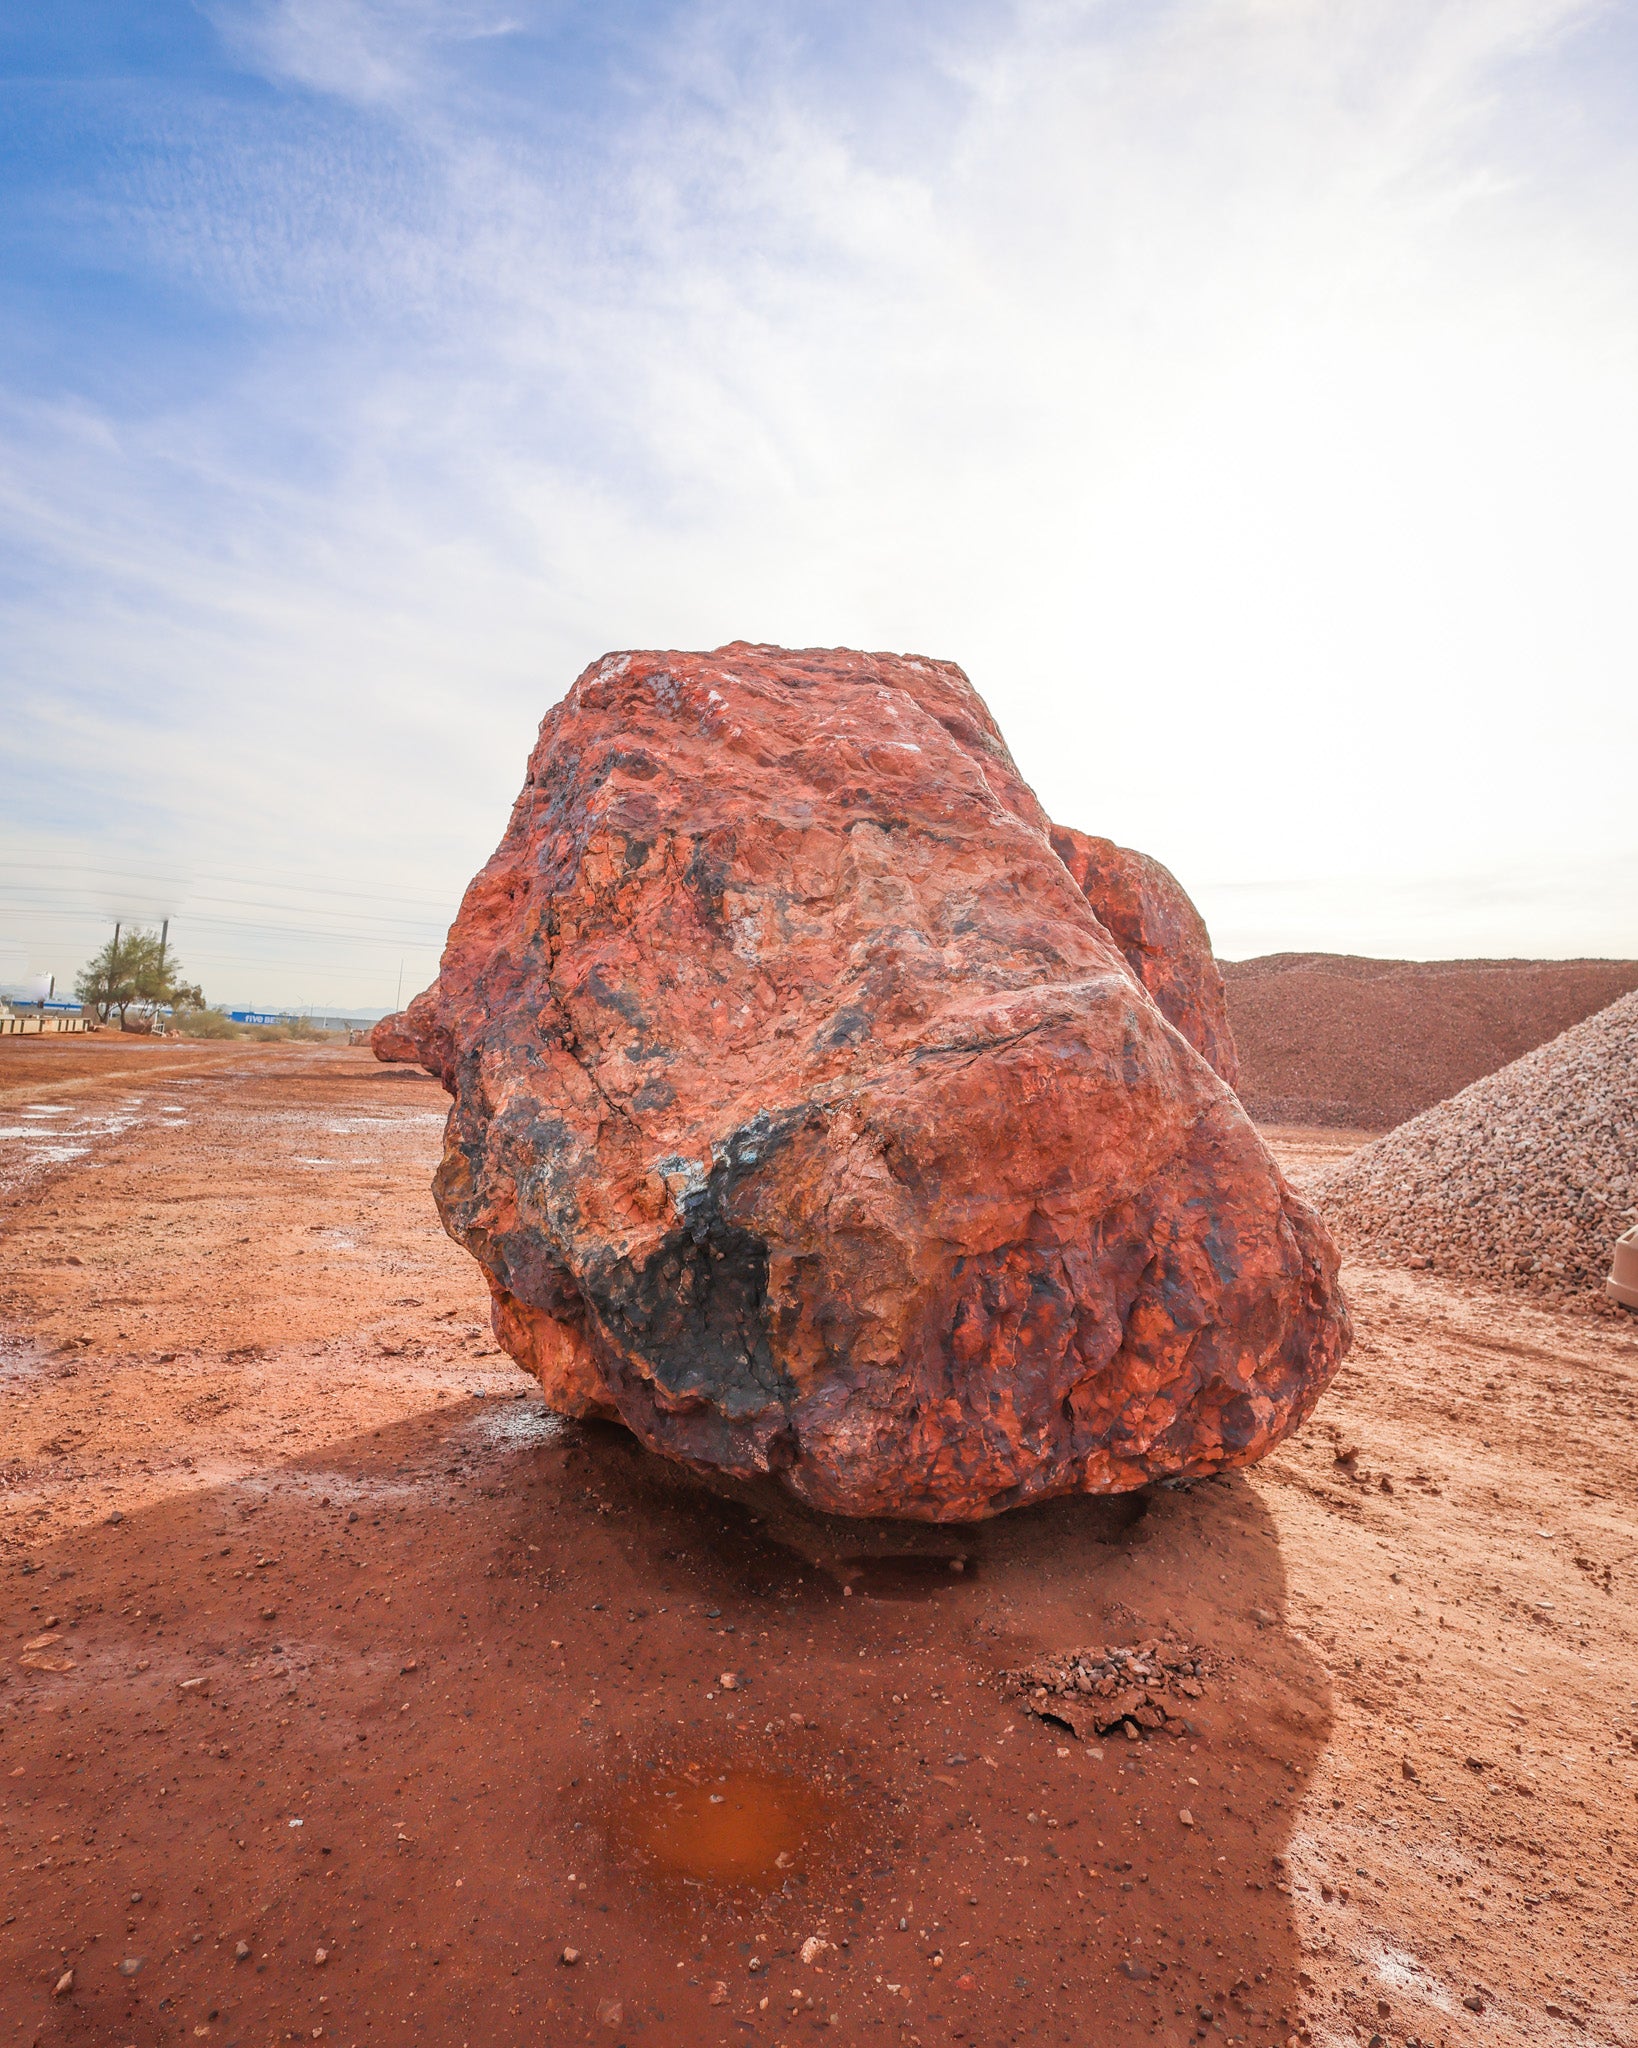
(472, 1693)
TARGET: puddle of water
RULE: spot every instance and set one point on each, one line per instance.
(42, 1144)
(44, 1154)
(743, 1829)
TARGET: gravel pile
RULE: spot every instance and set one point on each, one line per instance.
(1525, 1179)
(1333, 1039)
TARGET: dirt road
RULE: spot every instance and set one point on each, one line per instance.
(363, 1693)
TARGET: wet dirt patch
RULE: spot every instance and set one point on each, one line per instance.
(743, 1829)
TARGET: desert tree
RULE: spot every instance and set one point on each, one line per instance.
(135, 970)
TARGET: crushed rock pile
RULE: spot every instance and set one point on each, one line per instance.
(1526, 1178)
(1093, 1692)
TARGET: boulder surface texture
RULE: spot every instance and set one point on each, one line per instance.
(808, 1120)
(1145, 910)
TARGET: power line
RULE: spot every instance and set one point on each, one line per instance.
(81, 893)
(175, 883)
(393, 929)
(201, 926)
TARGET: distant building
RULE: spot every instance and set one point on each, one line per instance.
(23, 1016)
(355, 1021)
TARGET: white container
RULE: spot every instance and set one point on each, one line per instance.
(1622, 1285)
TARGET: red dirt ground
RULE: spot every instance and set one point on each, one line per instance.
(1333, 1039)
(460, 1705)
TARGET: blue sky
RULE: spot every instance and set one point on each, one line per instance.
(1240, 389)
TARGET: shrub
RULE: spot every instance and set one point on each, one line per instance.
(205, 1024)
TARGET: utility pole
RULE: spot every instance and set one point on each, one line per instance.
(113, 974)
(400, 1002)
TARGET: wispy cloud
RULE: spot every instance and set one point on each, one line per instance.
(1239, 388)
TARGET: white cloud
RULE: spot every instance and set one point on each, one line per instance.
(1220, 382)
(369, 51)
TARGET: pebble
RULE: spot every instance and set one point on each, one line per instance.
(129, 1965)
(241, 1951)
(1524, 1179)
(64, 1985)
(570, 1957)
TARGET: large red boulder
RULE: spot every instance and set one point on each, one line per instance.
(1144, 909)
(808, 1120)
